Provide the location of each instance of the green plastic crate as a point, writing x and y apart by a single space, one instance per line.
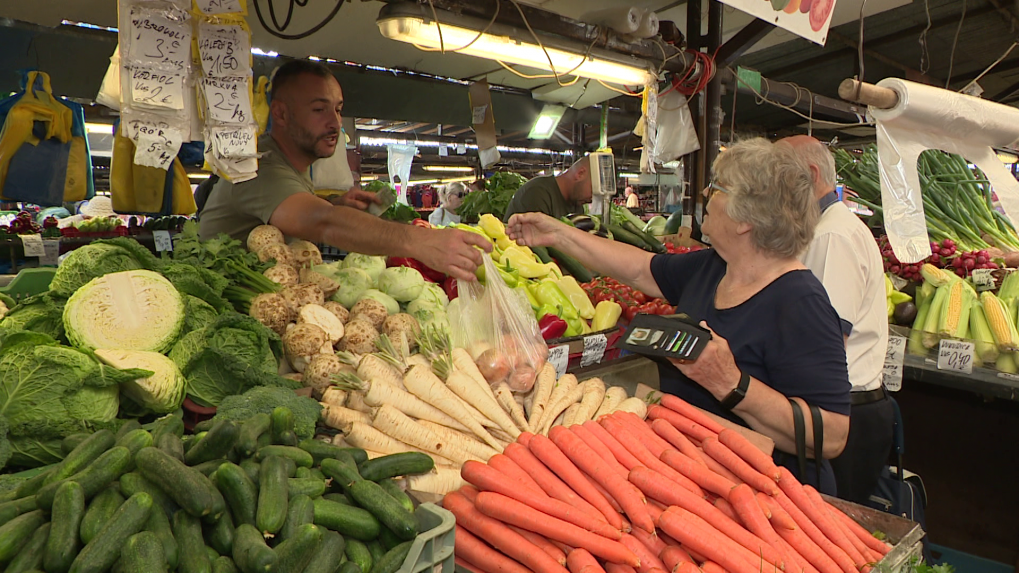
29 282
432 551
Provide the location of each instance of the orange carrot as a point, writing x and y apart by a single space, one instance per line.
693 430
511 469
749 453
501 537
619 452
469 566
673 556
542 543
763 504
780 518
858 543
648 559
625 493
681 406
873 543
649 438
654 509
650 540
712 567
697 472
656 486
686 567
608 497
619 568
723 455
469 491
698 535
580 560
488 478
549 482
600 448
634 445
524 438
808 550
718 468
817 511
473 550
556 460
807 523
513 512
656 570
744 502
678 439
726 508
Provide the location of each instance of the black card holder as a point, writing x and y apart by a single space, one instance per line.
676 336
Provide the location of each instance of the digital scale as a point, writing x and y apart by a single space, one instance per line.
603 184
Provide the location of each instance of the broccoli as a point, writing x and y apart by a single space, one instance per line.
262 399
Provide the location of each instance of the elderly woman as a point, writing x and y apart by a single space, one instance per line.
450 199
775 335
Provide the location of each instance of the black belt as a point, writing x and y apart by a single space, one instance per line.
867 397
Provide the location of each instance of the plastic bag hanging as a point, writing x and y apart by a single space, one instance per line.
401 156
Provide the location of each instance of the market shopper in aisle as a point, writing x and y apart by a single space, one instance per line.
845 258
305 111
554 195
776 336
450 198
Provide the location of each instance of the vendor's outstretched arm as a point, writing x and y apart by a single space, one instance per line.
625 263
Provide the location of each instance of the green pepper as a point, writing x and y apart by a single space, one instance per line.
546 309
509 275
548 292
574 325
530 296
528 266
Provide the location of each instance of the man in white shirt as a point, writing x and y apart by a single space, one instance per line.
845 258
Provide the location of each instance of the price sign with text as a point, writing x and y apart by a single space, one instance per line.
156 143
227 99
219 6
162 240
51 257
225 51
891 376
154 88
956 356
478 114
559 356
594 349
234 143
33 245
160 38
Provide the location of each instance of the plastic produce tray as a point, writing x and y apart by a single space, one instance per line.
432 551
29 282
904 535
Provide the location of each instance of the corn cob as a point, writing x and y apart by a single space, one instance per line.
980 331
924 298
999 320
1006 363
936 276
933 319
954 320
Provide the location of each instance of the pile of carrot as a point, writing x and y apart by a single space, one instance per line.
675 493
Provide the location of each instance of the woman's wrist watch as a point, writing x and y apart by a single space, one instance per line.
738 393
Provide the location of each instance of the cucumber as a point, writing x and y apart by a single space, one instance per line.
348 567
135 440
251 467
393 559
626 236
329 553
302 473
271 511
159 524
68 511
321 450
212 554
82 455
390 486
348 520
142 553
251 430
100 553
191 440
310 487
187 530
343 474
300 511
316 473
337 497
171 444
570 265
30 557
385 508
204 425
34 484
169 424
283 427
12 509
251 554
68 444
294 554
16 532
104 470
297 455
389 539
220 535
358 554
395 465
133 482
224 564
99 511
216 444
207 468
376 549
240 492
264 440
128 426
289 466
542 254
191 490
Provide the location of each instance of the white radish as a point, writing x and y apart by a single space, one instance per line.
339 417
462 361
574 396
634 405
333 396
463 441
541 392
467 389
560 389
569 417
505 397
421 382
393 422
439 481
613 396
589 402
378 394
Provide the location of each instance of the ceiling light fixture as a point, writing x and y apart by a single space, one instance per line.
547 121
105 128
449 168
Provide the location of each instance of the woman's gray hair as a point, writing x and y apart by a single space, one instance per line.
771 189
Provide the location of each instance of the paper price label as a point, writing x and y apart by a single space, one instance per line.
219 6
162 240
559 356
478 114
461 148
227 99
443 150
157 89
33 245
225 51
51 257
891 376
155 145
234 143
594 349
956 356
982 279
160 38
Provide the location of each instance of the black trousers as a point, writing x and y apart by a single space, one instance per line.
867 449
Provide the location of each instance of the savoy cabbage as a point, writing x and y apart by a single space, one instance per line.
97 259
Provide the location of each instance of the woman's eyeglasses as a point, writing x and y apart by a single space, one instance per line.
713 188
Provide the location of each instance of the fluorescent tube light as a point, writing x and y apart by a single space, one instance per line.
106 128
449 168
547 121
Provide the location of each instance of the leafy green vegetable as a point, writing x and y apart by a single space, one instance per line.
40 313
37 443
227 258
198 282
402 283
400 213
263 399
97 259
197 313
494 199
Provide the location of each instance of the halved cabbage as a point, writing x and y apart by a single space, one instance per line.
129 310
162 392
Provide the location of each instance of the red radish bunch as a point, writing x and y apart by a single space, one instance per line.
964 264
893 265
941 253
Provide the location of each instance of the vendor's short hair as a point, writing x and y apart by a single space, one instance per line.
291 70
770 188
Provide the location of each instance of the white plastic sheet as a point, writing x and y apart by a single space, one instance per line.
401 156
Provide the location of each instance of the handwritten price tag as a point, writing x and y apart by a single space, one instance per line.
51 258
33 245
234 143
982 279
154 88
225 51
161 38
891 376
219 6
594 349
478 114
461 148
156 144
956 356
443 150
227 99
559 356
162 240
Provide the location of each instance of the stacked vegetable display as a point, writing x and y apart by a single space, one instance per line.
680 493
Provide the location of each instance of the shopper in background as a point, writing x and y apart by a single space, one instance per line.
775 336
845 258
554 195
450 198
632 200
305 112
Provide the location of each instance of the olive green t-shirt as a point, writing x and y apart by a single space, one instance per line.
237 208
541 195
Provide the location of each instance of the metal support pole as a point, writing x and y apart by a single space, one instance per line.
603 133
690 160
712 96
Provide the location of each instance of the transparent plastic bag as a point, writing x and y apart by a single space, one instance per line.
496 325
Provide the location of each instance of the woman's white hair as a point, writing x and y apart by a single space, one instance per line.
771 189
454 188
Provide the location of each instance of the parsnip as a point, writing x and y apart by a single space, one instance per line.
376 394
439 481
570 415
355 401
418 360
593 396
560 390
540 394
372 367
613 396
632 404
466 442
338 416
508 403
421 382
573 396
463 386
394 423
334 396
462 361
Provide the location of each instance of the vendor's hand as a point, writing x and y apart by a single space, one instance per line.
357 199
452 251
715 369
534 229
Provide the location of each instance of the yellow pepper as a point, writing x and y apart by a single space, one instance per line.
492 226
577 296
587 327
606 315
502 243
528 266
523 287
